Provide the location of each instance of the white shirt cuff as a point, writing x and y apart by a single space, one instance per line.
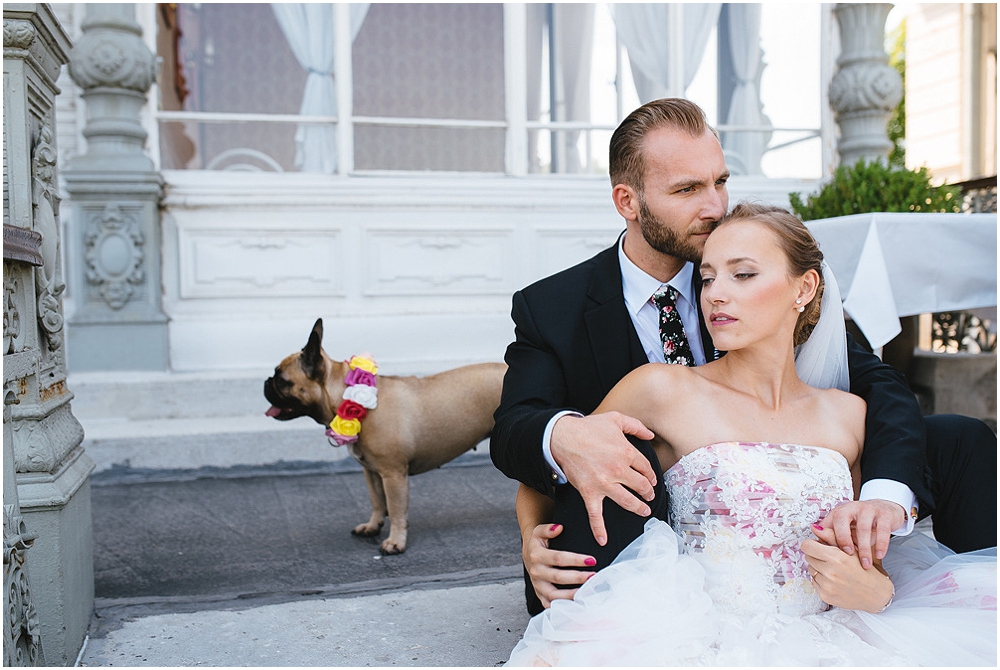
558 476
893 491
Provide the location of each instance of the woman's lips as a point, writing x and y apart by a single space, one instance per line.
721 319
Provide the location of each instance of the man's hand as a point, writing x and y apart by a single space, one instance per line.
544 565
862 525
601 463
840 580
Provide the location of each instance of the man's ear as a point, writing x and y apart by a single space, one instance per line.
626 202
311 359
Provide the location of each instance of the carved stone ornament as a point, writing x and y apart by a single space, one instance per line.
11 310
45 198
114 58
114 256
18 34
35 450
866 86
21 640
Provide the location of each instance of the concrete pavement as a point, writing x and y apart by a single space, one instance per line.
255 566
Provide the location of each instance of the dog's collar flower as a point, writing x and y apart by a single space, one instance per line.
360 396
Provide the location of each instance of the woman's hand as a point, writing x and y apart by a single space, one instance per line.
545 566
841 581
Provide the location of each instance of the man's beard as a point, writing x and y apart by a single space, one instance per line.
662 238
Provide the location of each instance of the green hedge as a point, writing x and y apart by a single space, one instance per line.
876 187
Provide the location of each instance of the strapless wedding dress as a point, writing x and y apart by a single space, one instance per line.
728 585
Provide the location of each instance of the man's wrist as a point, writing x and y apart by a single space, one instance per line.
894 492
558 476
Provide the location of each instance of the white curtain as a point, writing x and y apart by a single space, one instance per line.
744 149
309 29
645 30
574 40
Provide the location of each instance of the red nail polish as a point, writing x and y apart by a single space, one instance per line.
554 527
817 526
589 561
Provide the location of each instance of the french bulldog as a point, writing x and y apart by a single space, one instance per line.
418 423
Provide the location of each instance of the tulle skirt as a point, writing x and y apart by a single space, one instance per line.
651 607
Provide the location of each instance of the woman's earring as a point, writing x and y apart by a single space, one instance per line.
801 309
798 301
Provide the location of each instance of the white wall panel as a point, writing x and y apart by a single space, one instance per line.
440 262
417 269
259 264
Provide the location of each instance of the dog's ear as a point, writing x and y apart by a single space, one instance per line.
312 354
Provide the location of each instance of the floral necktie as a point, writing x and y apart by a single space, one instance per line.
675 343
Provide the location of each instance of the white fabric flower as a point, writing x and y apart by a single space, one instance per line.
366 396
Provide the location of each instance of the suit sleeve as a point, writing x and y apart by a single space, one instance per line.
534 390
895 436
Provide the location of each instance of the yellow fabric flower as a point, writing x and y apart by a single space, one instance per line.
366 364
348 427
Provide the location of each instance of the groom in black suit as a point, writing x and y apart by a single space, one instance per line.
577 333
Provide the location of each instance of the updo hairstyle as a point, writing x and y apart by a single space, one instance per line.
800 249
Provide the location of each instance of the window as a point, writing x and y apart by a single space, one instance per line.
476 87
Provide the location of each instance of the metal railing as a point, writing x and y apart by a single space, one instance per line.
953 332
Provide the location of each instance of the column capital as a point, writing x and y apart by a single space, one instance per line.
865 89
111 53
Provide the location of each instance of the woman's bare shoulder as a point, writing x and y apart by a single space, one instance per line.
844 401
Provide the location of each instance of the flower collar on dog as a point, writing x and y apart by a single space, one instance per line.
360 396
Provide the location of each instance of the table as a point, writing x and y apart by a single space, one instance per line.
890 265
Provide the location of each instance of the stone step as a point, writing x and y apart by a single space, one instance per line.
176 421
168 395
220 442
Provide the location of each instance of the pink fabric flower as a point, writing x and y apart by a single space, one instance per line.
359 376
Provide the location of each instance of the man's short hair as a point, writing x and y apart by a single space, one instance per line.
626 162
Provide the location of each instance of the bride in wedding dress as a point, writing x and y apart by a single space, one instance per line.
757 448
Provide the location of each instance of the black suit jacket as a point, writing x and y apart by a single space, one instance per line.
574 340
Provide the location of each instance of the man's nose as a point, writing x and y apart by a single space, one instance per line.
714 207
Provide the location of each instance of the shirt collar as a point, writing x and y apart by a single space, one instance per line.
638 286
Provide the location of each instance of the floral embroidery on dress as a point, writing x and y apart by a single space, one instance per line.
743 510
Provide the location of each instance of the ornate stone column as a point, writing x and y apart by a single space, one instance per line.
118 323
865 89
46 472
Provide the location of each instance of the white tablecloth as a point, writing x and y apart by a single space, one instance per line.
890 265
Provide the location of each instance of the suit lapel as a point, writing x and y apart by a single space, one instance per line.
613 340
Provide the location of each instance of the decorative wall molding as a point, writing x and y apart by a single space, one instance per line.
251 258
438 262
114 254
260 264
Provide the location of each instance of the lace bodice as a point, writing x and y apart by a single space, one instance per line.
744 508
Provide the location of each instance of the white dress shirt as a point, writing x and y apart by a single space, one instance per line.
638 288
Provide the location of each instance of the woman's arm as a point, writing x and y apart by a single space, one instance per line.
549 569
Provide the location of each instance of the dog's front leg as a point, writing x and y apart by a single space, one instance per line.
377 494
397 494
